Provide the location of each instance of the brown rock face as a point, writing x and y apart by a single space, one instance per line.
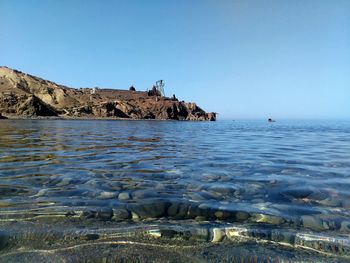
23 95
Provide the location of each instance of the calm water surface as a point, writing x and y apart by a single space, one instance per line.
215 191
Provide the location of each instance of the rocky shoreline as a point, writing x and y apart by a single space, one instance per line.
23 96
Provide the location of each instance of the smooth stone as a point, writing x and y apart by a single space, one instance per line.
223 190
124 196
107 195
312 223
196 197
140 194
121 214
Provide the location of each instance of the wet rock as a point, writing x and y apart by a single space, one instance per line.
141 194
222 190
107 195
121 214
150 209
178 210
312 222
297 193
124 196
317 195
88 214
105 214
196 197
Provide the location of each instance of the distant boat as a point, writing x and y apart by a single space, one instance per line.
271 120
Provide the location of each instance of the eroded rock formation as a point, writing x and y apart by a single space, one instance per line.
24 95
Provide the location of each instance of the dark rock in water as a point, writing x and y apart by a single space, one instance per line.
2 117
105 214
178 210
150 209
88 214
297 193
121 214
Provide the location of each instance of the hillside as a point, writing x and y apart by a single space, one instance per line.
26 96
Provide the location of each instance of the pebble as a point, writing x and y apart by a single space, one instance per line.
124 196
107 195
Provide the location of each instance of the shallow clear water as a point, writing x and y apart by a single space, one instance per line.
224 183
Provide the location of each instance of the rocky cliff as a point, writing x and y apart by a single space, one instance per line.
26 96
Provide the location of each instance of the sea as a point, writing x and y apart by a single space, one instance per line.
170 191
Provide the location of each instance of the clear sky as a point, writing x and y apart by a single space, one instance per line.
240 58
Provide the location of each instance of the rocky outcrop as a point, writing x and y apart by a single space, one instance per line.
24 95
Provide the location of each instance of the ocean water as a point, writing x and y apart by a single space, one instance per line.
167 191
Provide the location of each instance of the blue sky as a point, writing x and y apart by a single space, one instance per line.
240 58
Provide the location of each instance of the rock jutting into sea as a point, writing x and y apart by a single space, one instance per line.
26 96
